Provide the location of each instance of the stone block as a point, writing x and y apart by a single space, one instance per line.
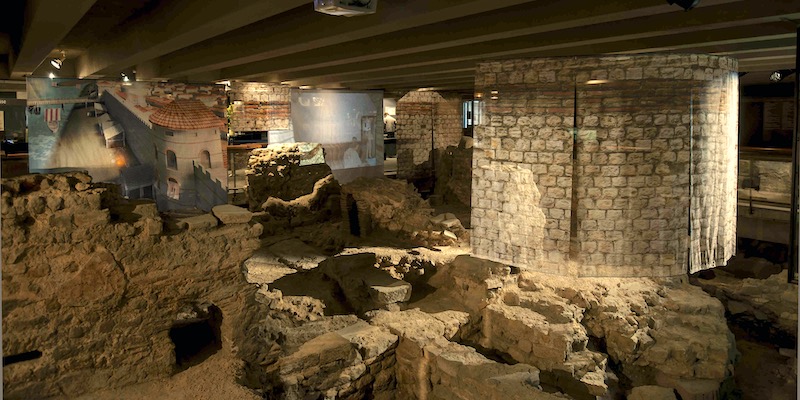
365 286
652 393
205 221
230 214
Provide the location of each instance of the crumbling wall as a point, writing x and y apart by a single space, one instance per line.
371 205
92 286
665 333
430 366
292 183
454 173
629 153
426 121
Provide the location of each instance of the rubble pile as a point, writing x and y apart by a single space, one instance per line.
765 308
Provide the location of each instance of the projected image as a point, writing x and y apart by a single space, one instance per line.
346 124
63 129
156 140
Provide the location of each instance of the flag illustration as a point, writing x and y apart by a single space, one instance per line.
52 116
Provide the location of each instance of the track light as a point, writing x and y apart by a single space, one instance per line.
780 74
58 61
686 4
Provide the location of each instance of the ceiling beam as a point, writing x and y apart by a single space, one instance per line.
736 49
712 17
302 29
728 14
171 26
556 44
724 36
461 67
46 23
526 19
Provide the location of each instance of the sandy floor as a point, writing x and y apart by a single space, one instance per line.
763 373
213 379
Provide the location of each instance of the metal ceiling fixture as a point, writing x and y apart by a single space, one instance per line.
59 61
346 8
779 75
686 4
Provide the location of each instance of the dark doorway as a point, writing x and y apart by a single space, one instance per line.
197 337
352 216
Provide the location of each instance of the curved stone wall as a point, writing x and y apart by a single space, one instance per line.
634 156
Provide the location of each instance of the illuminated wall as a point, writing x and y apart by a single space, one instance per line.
634 158
349 125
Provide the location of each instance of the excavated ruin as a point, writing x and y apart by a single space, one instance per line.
103 296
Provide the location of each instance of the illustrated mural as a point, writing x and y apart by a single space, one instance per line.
156 140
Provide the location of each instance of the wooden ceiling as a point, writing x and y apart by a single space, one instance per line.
407 44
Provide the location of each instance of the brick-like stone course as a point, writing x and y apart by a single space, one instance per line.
265 106
420 115
654 135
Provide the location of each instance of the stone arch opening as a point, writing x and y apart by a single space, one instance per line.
196 335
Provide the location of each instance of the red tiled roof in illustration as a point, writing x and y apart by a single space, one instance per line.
186 115
157 101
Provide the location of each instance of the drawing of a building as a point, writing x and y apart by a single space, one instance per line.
188 156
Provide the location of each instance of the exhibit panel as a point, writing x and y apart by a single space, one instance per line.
107 128
347 124
634 157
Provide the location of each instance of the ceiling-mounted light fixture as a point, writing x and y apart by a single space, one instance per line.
781 74
59 61
685 4
346 8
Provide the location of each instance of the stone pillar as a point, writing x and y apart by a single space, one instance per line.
425 121
631 155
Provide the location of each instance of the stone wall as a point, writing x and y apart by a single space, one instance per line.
420 115
92 285
620 158
264 106
774 177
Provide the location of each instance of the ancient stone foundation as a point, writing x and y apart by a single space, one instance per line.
96 294
634 158
292 184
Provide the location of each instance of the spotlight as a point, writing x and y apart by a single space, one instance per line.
58 61
685 4
780 74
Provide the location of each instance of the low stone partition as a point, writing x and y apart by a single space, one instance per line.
96 295
665 333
